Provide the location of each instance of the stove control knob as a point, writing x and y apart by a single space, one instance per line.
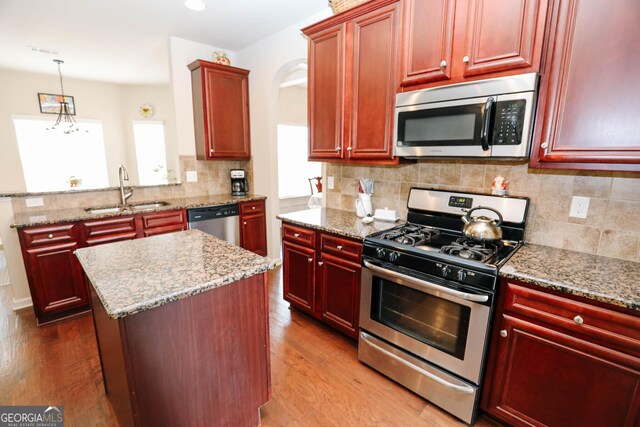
393 256
381 253
462 275
446 271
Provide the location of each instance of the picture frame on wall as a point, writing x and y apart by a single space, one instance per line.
50 103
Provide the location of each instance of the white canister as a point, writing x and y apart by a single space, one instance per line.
363 205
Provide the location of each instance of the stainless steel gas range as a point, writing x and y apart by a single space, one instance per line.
428 296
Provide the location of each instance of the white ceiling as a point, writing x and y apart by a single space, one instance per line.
126 41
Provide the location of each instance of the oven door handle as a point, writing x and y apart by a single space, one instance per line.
460 388
427 285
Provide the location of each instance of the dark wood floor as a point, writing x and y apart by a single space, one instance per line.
317 379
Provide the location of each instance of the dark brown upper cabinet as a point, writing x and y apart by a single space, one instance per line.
451 41
352 77
588 109
220 110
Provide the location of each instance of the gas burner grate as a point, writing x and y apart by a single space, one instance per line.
471 249
411 234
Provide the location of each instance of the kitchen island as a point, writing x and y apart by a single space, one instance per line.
181 322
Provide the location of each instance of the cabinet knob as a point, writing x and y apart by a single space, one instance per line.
245 223
578 319
544 145
503 333
443 64
211 151
253 207
50 236
320 263
466 59
339 247
310 259
349 148
296 234
338 148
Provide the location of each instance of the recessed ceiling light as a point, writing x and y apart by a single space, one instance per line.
195 4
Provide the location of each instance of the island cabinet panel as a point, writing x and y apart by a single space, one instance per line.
321 276
54 275
588 104
453 41
352 80
253 227
107 230
559 362
163 222
201 360
221 111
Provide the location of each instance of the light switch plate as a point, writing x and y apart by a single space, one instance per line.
192 176
34 202
579 207
330 183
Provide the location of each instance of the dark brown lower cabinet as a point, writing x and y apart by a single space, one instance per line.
321 276
200 360
253 227
559 362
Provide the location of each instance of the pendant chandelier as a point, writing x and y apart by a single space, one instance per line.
65 118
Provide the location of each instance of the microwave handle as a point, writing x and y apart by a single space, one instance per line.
484 133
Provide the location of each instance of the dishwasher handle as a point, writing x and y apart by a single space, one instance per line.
212 212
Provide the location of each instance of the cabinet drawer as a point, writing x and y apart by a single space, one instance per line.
163 219
252 207
622 330
347 249
49 235
109 230
299 235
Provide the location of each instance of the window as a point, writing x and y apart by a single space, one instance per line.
294 170
54 161
151 153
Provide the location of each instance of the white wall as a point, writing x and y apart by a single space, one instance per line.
182 53
269 60
13 254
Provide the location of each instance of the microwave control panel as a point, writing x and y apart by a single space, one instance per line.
509 121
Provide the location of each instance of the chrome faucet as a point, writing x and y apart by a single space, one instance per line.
123 175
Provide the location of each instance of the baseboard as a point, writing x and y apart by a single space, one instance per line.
22 303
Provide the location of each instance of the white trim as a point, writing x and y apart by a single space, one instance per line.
22 303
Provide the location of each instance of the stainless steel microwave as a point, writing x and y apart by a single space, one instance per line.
485 118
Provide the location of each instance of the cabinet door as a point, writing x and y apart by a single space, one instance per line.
253 233
299 269
427 39
544 377
339 283
373 62
226 101
502 35
326 93
56 279
588 105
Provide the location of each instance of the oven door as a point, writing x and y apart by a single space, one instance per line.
442 325
459 128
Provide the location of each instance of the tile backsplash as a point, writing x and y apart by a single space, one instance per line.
612 226
213 178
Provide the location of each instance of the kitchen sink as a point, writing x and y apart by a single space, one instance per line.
128 208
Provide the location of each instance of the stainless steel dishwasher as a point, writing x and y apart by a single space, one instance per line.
219 221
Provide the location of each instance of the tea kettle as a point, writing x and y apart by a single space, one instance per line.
481 228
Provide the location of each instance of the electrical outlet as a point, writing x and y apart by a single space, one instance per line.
192 176
579 207
34 202
330 183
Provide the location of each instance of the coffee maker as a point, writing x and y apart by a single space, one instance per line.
239 184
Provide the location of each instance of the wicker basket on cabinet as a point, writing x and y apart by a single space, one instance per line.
341 5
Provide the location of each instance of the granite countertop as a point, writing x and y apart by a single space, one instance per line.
344 223
137 275
603 279
57 216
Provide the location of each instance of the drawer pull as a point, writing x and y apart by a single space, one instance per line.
253 207
50 236
320 263
245 223
578 319
504 333
310 259
296 234
339 247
